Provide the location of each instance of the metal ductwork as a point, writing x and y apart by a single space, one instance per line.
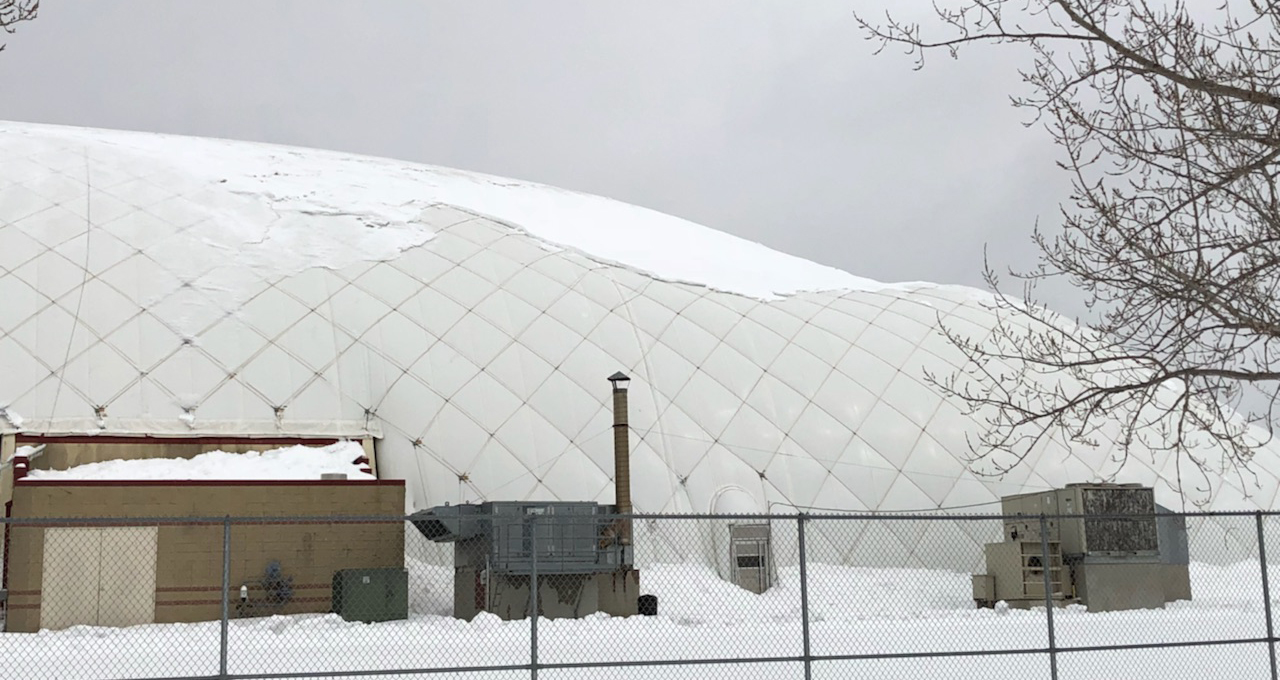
450 523
577 556
621 454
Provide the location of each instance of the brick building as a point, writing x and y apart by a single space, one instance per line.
144 569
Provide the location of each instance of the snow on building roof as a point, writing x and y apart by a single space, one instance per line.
288 463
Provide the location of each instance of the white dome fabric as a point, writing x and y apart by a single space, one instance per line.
168 285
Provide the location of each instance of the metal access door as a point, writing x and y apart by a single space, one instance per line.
751 556
69 578
127 576
98 577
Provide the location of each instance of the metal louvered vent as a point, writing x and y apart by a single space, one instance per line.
1125 522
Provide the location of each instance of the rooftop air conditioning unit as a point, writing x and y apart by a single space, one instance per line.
1109 547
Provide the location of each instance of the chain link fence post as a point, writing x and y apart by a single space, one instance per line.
533 597
226 586
804 596
1045 566
1266 594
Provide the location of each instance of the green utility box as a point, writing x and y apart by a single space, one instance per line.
371 595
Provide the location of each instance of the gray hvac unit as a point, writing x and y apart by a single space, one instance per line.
582 565
1115 520
1108 548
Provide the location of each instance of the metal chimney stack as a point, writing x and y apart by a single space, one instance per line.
621 454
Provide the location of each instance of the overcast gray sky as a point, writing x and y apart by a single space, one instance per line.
770 120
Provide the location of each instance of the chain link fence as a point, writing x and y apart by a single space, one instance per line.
663 597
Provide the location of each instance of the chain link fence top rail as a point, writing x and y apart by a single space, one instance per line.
725 596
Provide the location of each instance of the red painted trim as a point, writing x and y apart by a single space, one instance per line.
122 521
157 439
4 573
298 600
238 521
218 589
161 603
213 482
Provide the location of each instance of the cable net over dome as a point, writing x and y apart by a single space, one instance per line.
168 285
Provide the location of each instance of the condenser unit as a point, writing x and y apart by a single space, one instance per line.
1109 547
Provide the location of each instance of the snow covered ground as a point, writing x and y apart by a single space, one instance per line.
854 611
292 462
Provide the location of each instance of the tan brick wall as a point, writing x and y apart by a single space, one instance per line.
189 556
26 548
7 447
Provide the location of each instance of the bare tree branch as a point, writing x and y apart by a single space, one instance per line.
1169 127
14 11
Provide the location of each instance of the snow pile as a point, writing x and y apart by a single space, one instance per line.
839 593
282 209
694 595
12 416
430 588
293 462
1230 586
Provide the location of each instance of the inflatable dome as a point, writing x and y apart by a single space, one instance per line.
172 286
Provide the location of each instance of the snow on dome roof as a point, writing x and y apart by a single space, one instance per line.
329 207
166 285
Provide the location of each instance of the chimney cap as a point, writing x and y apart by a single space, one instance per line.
619 380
